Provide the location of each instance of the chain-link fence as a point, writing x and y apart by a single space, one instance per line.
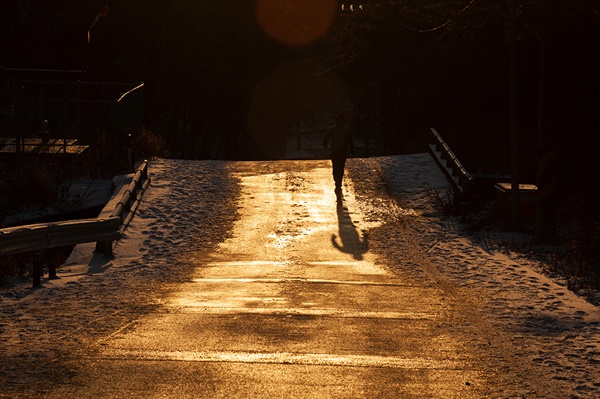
95 114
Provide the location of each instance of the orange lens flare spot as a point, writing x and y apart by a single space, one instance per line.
295 22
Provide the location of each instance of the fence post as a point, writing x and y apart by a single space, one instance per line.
105 247
51 270
36 274
108 250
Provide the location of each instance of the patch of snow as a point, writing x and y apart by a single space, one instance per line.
540 327
83 194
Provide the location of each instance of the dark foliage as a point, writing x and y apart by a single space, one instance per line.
211 70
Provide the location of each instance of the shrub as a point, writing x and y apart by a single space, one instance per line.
579 230
147 144
444 204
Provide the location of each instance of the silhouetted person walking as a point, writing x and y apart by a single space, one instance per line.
341 144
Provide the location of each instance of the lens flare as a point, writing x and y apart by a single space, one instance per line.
295 22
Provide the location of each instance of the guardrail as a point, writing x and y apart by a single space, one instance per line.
103 230
457 175
132 196
128 204
35 237
38 237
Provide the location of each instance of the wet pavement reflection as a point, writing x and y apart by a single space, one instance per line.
292 304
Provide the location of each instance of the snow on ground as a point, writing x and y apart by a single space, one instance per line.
94 296
533 321
535 325
82 194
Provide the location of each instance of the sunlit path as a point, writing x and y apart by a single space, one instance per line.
292 304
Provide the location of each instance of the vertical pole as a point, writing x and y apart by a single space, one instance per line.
36 274
105 248
116 135
51 270
109 249
145 170
514 136
547 147
17 123
78 108
362 121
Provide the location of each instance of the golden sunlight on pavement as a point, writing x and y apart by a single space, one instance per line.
292 304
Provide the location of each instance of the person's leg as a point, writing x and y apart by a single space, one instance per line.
338 171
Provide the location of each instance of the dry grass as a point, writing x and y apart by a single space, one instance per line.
574 254
579 239
444 203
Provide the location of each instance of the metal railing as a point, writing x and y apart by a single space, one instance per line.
104 230
457 175
128 204
35 237
38 237
132 196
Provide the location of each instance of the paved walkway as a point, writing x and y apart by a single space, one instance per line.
293 304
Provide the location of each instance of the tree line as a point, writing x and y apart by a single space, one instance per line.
218 85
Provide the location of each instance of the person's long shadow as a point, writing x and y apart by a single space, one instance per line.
351 242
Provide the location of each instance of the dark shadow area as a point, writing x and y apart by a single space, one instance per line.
99 263
351 242
550 325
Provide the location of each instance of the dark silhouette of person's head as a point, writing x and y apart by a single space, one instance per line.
340 120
